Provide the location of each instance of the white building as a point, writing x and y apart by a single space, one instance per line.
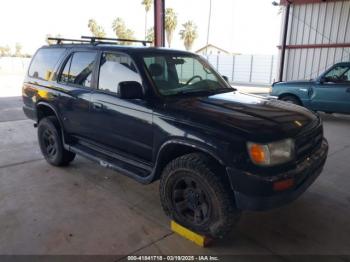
211 50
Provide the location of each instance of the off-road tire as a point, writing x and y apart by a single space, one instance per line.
50 141
198 167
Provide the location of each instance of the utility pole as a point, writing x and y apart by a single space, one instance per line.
209 18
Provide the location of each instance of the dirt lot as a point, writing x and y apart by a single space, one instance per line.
86 209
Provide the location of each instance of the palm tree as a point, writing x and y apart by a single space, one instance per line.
121 31
118 27
95 29
189 34
147 4
170 24
150 35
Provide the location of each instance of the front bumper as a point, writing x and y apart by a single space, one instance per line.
255 192
29 112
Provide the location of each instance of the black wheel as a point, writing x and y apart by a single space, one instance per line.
291 99
196 197
50 142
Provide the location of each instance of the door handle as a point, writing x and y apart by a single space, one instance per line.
98 106
348 90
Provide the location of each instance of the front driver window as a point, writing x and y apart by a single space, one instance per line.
116 68
339 74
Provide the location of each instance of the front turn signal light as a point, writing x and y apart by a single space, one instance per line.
258 153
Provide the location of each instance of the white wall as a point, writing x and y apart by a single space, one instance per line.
246 69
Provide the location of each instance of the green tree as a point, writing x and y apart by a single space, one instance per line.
18 51
150 35
189 34
96 29
148 5
122 31
170 24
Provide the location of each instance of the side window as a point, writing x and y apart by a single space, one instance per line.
44 62
339 74
78 69
116 68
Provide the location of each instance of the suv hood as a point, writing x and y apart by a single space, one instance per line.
259 118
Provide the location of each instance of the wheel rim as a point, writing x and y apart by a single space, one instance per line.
191 201
49 143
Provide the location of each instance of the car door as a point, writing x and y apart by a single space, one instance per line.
123 125
75 81
332 92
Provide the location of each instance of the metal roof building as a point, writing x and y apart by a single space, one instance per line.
315 36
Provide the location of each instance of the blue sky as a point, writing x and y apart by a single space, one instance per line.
244 26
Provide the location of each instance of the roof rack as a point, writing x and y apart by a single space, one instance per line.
114 40
60 40
97 40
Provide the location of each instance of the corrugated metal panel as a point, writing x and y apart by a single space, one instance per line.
317 23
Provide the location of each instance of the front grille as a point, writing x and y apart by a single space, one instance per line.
306 143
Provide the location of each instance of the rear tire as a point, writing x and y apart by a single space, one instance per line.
291 99
50 141
196 197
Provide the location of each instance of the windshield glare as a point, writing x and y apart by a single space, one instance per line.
174 75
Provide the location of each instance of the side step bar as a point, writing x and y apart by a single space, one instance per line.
140 174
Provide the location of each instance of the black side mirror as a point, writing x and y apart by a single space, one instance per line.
226 78
130 90
322 80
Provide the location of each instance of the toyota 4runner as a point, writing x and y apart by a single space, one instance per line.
154 113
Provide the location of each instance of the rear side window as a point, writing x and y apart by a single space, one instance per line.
44 62
78 69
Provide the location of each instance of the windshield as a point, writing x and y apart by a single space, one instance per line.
178 75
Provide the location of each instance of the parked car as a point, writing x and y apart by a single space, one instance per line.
154 113
330 92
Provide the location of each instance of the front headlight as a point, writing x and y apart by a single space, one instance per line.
271 154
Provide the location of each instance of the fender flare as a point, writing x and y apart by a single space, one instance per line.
175 141
194 144
42 103
63 133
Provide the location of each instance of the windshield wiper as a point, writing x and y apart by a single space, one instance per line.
206 92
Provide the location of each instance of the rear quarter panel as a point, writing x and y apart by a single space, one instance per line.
35 92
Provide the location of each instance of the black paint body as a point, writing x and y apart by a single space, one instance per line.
139 137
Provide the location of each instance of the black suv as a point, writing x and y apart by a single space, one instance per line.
154 113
